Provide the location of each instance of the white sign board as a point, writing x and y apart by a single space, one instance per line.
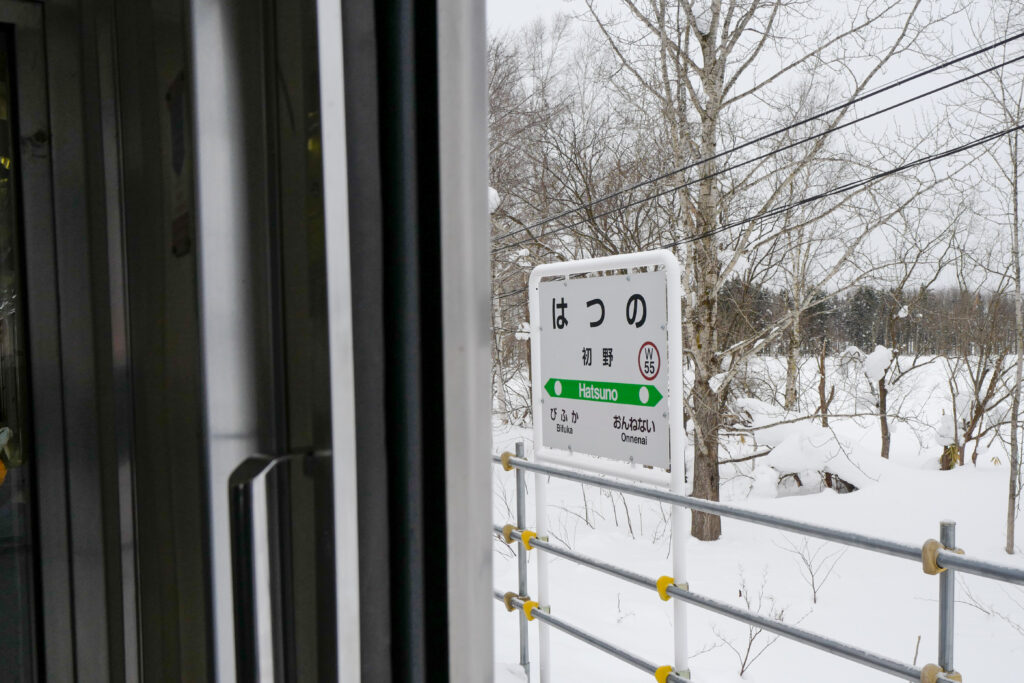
602 354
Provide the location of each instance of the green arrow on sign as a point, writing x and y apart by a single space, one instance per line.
606 392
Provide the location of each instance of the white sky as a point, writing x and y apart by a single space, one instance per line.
511 14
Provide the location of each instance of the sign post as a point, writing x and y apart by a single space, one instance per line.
606 363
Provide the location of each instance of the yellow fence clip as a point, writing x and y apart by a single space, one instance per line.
930 556
663 583
930 674
506 533
525 537
505 461
508 601
662 672
528 608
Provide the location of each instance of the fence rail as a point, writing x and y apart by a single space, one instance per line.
864 657
936 557
662 673
946 558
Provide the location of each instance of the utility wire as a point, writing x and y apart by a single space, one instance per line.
755 159
871 93
849 186
937 156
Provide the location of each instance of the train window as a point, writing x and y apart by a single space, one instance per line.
16 546
297 221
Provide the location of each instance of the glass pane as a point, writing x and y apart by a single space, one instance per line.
296 112
16 564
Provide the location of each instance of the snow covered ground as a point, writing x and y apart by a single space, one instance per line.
872 601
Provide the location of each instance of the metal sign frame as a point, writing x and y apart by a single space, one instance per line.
665 259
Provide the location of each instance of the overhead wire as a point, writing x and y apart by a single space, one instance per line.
757 158
831 110
852 185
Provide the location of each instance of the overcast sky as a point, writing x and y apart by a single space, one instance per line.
506 14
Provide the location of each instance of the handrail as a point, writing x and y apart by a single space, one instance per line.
937 557
537 613
870 659
945 558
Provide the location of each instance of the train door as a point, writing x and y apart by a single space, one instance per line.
19 553
243 346
39 422
341 206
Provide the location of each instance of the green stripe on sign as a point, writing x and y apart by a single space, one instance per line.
606 392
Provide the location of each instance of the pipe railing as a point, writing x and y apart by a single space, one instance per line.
875 661
937 557
535 612
946 558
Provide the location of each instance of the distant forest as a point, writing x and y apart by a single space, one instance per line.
942 321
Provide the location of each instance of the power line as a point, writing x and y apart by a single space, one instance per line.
826 112
849 186
759 157
937 156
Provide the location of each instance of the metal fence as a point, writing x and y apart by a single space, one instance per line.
936 557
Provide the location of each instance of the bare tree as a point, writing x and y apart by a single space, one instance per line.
1018 305
998 99
700 65
978 367
757 641
920 250
816 565
525 94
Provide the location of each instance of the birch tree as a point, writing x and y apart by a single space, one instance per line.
716 70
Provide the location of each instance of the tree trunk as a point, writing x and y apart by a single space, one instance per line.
529 378
704 526
949 457
883 417
792 364
498 361
958 453
707 407
823 400
1011 502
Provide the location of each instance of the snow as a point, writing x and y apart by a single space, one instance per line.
807 449
871 601
493 199
946 430
702 15
852 352
903 312
877 362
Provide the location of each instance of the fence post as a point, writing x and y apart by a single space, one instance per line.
540 492
680 531
947 596
524 632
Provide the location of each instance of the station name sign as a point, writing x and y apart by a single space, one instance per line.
600 358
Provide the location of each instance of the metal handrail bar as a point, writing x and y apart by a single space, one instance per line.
870 659
895 548
612 570
945 559
591 640
991 570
